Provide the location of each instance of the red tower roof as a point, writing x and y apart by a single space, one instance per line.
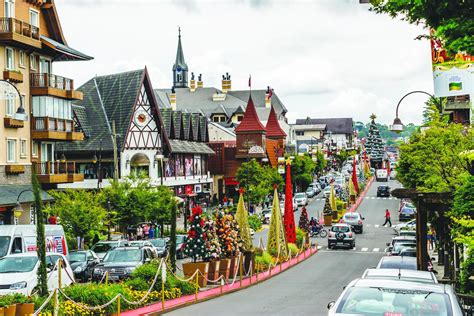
273 127
250 121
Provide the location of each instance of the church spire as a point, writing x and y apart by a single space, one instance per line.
180 68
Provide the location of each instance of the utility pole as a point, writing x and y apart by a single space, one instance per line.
114 144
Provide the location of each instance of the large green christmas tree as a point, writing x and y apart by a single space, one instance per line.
196 246
374 144
276 243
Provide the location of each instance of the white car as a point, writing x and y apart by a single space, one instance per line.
410 225
19 273
301 199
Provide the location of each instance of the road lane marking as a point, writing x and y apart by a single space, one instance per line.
319 247
373 198
375 250
354 249
364 249
376 225
368 225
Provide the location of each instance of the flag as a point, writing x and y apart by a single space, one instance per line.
354 177
332 198
351 188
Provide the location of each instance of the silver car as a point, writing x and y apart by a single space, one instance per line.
341 235
400 274
301 199
355 220
393 297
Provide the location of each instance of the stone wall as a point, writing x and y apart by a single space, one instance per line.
22 178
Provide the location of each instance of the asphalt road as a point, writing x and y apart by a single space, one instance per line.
307 288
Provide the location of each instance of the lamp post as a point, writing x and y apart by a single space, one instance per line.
18 210
159 157
397 125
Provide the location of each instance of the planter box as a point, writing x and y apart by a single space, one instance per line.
14 169
13 76
213 273
233 266
9 122
10 310
328 220
25 309
190 267
224 267
249 262
334 215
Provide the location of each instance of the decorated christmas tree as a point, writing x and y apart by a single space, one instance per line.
196 246
276 243
243 221
213 244
327 207
304 221
228 237
374 144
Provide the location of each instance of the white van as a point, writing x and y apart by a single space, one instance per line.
381 175
22 239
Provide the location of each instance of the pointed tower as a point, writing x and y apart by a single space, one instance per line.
250 134
274 130
180 68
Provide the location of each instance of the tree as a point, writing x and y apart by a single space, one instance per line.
302 170
341 158
304 221
196 245
453 21
80 211
374 143
228 237
40 237
242 219
431 160
320 164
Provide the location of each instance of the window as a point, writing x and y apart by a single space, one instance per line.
11 150
215 119
10 106
21 58
52 107
33 61
34 17
23 148
222 118
240 118
34 149
9 8
10 56
299 133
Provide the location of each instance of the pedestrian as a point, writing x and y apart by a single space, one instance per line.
52 220
432 233
387 218
139 232
151 232
146 231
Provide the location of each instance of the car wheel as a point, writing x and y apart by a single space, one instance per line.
329 246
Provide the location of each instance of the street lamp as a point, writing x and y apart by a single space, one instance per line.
18 210
9 91
397 125
159 160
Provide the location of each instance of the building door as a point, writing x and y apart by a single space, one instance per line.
45 70
47 158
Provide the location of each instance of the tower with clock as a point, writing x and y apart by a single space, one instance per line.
180 68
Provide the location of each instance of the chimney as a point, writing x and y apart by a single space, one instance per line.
268 97
200 83
192 84
226 83
173 99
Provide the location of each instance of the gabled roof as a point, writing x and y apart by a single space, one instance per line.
62 52
273 127
334 125
250 122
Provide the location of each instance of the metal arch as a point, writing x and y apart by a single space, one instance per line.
17 91
412 92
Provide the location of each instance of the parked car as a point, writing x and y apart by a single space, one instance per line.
381 175
397 262
301 199
19 272
394 297
410 225
399 247
355 220
317 187
383 191
341 234
400 274
144 243
406 214
327 191
180 244
408 252
400 240
310 192
406 232
121 261
102 247
282 206
161 246
83 263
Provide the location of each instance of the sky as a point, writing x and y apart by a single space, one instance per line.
323 58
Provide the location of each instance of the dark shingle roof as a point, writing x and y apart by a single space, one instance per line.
334 125
9 194
184 146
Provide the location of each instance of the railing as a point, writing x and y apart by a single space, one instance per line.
12 25
46 80
54 167
45 123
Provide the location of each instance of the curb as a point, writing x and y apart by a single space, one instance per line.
361 197
156 308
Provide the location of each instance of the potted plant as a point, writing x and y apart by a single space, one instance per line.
196 247
228 239
214 247
327 212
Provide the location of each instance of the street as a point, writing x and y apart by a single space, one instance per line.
298 292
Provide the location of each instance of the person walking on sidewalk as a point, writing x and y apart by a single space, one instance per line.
387 218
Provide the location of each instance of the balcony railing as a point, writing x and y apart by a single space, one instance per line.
54 167
12 25
44 123
46 80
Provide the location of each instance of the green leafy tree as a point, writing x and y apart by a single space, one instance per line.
302 170
452 20
320 164
80 211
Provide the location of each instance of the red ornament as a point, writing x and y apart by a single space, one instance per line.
241 191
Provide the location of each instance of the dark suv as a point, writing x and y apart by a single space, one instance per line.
121 261
383 191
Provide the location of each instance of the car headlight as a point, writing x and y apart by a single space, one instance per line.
17 286
129 269
78 269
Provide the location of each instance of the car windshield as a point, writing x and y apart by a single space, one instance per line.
299 195
136 243
343 229
309 189
158 242
354 216
408 211
179 239
377 301
398 264
4 244
123 255
17 264
102 247
77 257
399 246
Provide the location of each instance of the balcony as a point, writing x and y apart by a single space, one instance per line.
52 85
19 32
57 172
51 128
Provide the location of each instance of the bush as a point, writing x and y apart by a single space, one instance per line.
263 261
339 205
16 298
293 249
254 222
301 235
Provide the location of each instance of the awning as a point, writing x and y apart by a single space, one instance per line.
9 194
64 53
187 147
231 181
